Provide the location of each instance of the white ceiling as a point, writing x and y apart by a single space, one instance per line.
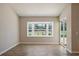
38 9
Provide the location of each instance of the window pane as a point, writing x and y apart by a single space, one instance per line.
61 29
49 32
30 32
49 26
40 32
40 26
30 26
61 26
40 29
65 29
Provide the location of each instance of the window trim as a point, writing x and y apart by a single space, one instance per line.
40 35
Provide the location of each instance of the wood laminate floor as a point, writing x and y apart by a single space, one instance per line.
38 50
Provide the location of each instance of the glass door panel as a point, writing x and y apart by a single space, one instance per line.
63 32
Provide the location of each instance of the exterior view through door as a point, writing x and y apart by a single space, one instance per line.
63 32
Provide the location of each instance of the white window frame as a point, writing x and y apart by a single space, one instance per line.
40 35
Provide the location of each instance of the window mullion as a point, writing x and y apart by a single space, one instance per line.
46 29
33 29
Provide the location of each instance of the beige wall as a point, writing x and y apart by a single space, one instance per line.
9 32
75 28
38 40
66 13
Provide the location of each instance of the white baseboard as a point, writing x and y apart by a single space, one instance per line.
8 48
37 43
